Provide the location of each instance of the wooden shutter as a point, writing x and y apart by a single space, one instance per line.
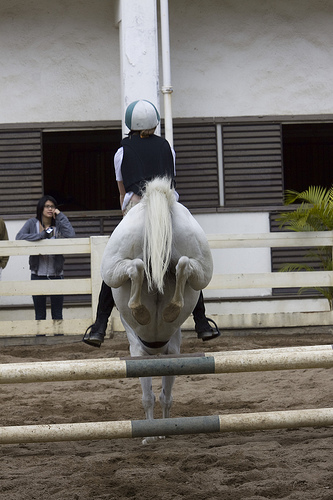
20 171
252 164
196 164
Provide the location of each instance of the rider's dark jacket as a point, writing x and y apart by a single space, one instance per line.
144 159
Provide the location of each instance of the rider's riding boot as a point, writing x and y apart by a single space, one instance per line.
204 330
94 335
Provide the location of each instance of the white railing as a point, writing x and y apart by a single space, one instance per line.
272 240
95 246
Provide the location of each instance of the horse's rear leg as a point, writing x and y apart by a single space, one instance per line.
148 397
148 402
166 395
183 270
168 381
136 274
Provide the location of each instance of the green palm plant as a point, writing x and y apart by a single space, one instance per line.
315 213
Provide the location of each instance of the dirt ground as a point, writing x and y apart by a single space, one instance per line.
279 464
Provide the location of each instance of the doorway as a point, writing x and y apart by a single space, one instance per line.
307 155
78 169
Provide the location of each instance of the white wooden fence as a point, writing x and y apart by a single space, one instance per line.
95 246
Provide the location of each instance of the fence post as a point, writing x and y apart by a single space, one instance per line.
97 246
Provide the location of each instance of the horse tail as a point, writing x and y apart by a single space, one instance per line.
157 244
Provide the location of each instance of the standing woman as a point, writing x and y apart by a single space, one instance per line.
48 223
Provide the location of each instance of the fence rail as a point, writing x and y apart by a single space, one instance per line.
94 246
95 369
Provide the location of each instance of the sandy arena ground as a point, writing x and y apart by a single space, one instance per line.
279 464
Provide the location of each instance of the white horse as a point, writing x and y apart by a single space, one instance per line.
156 262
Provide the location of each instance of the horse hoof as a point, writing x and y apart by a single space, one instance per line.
152 439
171 312
141 314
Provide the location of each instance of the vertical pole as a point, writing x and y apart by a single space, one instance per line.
138 42
166 87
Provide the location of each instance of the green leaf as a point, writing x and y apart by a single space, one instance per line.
315 213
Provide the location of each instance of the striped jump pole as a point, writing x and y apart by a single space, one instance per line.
47 371
300 348
166 427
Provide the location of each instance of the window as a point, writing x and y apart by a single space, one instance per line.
307 155
78 169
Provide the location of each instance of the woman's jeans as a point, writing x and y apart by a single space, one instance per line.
40 300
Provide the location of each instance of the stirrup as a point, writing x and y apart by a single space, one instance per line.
94 339
210 334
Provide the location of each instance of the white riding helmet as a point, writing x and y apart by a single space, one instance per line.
141 115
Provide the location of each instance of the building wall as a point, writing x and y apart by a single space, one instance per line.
253 58
60 60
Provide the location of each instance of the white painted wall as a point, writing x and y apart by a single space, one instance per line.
60 61
251 58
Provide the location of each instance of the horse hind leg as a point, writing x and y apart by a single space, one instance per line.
166 395
148 403
172 311
139 311
166 398
165 402
169 380
148 397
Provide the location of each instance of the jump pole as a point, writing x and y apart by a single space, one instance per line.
47 371
166 427
300 348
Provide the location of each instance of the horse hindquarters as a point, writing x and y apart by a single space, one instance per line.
122 271
185 269
192 259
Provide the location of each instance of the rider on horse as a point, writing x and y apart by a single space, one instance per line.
141 157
